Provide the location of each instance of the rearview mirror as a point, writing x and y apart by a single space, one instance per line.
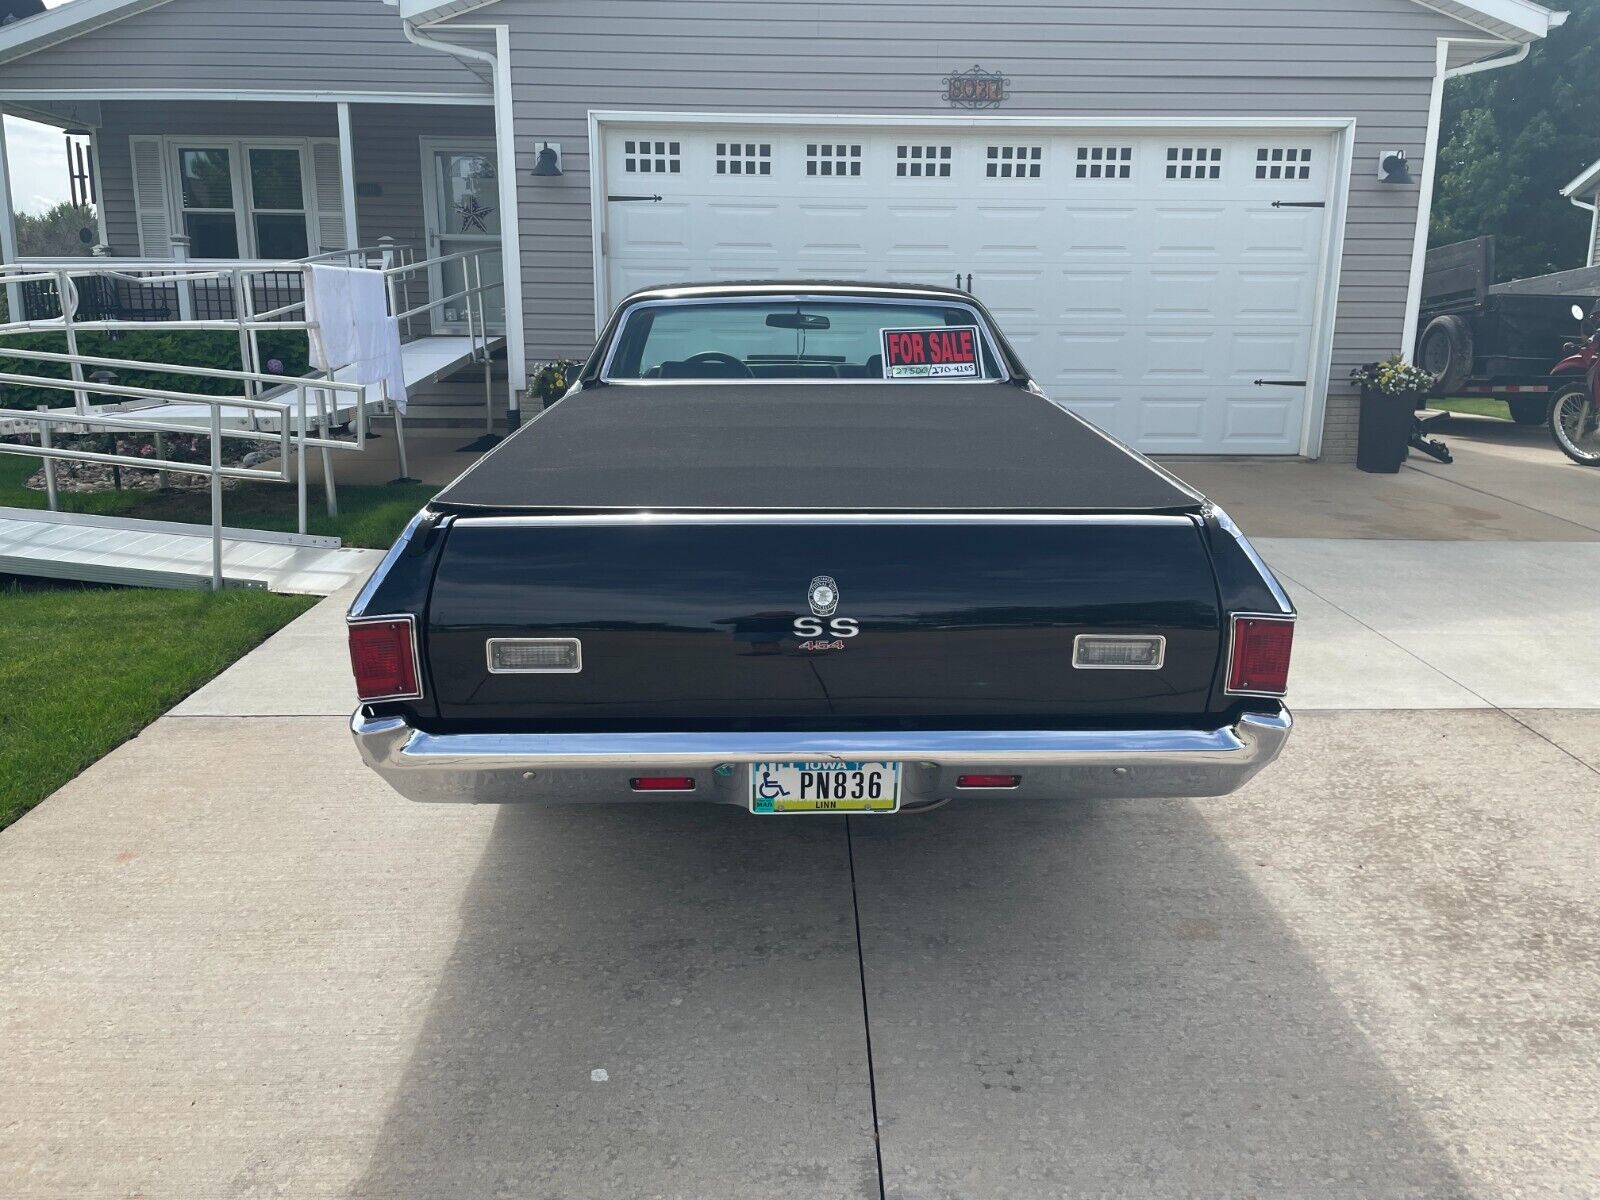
798 320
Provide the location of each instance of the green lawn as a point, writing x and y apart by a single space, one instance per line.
369 515
1481 406
82 669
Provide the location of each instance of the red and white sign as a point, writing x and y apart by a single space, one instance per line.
943 352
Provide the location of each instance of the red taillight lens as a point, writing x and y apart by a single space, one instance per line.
1259 661
383 657
988 781
662 783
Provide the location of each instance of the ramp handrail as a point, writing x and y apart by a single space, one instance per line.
294 422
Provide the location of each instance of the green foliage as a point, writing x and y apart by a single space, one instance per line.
1511 138
370 515
198 348
84 669
54 233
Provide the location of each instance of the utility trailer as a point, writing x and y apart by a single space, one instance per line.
1482 338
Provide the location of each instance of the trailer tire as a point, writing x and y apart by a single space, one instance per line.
1529 410
1445 351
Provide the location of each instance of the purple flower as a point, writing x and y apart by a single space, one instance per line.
275 366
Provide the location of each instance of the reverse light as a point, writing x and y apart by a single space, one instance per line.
662 783
383 655
1258 656
534 656
1106 652
988 781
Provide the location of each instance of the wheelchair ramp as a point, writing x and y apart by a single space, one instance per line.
170 554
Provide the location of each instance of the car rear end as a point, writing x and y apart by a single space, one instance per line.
824 662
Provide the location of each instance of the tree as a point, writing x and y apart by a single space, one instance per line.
1511 139
54 233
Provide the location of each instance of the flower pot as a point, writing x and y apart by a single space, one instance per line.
1385 431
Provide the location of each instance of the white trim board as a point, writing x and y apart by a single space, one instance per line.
1341 129
1532 19
243 95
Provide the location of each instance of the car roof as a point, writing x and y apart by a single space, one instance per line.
732 289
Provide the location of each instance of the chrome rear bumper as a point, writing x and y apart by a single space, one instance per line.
587 767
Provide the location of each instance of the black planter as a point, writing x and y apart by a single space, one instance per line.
1385 431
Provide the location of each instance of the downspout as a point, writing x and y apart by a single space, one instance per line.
1594 225
499 65
1419 245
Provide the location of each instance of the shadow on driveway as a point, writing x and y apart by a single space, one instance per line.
1073 999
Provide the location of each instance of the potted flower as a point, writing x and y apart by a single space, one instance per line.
1391 392
551 381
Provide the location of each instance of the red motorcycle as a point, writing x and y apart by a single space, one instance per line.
1575 409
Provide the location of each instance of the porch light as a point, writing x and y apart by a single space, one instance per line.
549 164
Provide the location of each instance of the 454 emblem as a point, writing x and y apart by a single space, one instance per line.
822 630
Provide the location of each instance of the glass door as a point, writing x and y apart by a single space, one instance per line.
463 214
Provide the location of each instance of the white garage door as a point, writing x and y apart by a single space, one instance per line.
1147 279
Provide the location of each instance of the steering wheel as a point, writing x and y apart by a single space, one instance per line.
717 356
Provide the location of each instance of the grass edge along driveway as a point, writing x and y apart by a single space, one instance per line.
82 670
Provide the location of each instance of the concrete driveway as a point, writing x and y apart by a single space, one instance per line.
234 965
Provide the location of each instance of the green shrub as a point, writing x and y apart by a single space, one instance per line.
189 347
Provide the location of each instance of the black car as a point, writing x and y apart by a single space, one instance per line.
813 547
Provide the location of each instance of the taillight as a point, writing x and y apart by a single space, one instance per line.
1258 659
383 655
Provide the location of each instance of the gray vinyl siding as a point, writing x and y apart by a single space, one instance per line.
386 140
251 45
1372 60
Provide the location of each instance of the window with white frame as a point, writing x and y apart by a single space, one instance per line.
243 200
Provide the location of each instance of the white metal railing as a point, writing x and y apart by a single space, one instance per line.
294 424
244 285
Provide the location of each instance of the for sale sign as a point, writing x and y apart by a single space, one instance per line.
946 352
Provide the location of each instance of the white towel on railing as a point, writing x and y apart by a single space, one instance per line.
353 337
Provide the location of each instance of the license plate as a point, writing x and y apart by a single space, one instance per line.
824 787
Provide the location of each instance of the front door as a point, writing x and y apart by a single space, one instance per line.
461 195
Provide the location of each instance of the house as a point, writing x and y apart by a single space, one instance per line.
1192 219
1584 193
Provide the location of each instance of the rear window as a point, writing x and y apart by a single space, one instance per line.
790 339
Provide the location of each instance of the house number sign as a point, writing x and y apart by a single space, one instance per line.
976 88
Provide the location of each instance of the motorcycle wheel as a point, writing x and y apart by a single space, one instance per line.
1575 424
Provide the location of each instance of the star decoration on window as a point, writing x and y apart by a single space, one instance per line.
473 215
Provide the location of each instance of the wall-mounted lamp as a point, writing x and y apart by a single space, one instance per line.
1393 168
548 165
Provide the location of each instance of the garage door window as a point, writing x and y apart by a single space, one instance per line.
652 158
744 158
1013 162
1105 162
922 162
1283 162
1194 162
830 158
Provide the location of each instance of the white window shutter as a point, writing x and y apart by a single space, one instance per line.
152 211
328 189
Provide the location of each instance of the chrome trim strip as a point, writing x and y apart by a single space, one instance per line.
800 297
1226 524
498 767
794 517
416 654
1084 638
577 651
364 596
1233 625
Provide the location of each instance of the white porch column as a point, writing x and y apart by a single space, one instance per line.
505 139
8 227
347 178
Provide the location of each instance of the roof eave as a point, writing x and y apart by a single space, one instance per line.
63 23
1585 183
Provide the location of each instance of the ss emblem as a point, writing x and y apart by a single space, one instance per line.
815 627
